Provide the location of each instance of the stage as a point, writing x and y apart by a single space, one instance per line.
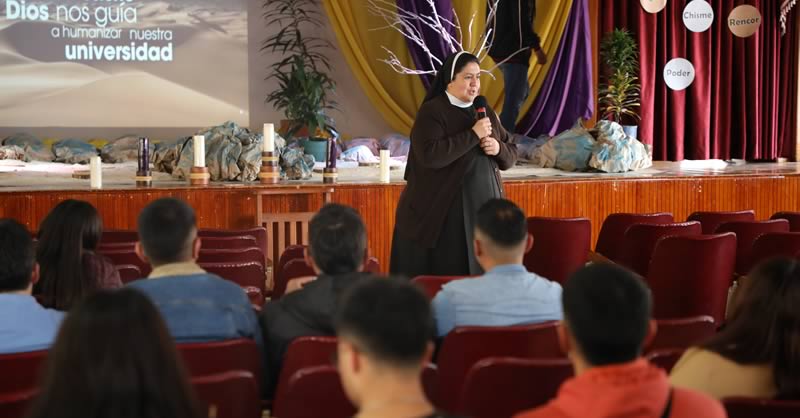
29 191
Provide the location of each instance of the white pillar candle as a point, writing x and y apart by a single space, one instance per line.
384 166
199 150
95 172
269 138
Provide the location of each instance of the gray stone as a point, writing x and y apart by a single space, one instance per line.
73 151
34 147
123 149
13 152
295 165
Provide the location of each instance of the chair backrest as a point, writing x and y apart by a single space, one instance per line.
15 404
501 387
463 347
746 234
760 408
712 220
128 273
21 371
293 269
774 244
640 241
682 332
259 233
290 253
313 392
690 275
665 358
249 275
560 246
304 352
215 357
242 255
792 217
431 285
231 394
126 257
233 242
111 236
612 233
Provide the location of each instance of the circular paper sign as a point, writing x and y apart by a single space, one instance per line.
678 74
654 6
744 21
698 16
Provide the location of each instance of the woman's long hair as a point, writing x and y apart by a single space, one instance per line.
114 358
764 327
443 78
71 229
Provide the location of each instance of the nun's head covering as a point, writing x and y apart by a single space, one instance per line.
451 66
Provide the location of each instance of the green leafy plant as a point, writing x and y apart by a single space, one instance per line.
620 90
305 90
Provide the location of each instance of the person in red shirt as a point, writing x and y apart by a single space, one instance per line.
606 323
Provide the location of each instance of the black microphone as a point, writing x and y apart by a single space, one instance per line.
480 106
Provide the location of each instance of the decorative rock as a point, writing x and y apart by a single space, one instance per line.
123 149
73 151
296 165
13 152
34 147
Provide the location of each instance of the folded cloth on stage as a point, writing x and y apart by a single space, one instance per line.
13 152
616 152
569 151
371 143
527 146
360 154
398 145
34 147
73 151
123 149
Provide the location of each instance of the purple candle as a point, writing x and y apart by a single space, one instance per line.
332 155
144 154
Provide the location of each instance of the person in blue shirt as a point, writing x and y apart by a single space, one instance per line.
24 324
507 294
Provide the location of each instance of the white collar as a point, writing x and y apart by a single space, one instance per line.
455 101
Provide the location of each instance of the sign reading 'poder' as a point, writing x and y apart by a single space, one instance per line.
744 21
698 16
678 74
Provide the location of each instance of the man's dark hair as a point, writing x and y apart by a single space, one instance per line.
607 309
17 256
166 230
338 239
389 319
503 222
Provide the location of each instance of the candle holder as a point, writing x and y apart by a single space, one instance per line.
144 177
329 175
199 176
270 171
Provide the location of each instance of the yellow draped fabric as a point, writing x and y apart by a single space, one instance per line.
397 96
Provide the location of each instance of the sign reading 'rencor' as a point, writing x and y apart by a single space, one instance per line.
744 21
698 16
679 74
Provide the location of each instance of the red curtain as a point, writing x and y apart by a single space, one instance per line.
743 101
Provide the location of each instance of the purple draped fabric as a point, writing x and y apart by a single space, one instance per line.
433 39
568 92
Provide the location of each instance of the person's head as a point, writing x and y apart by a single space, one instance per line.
501 234
764 325
459 76
18 268
71 229
167 232
607 315
113 357
384 329
338 240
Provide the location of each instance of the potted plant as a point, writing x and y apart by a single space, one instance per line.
620 89
304 87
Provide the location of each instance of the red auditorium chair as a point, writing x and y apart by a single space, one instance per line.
290 253
774 244
500 387
665 358
215 357
690 275
249 275
792 217
640 241
111 246
313 392
242 255
229 243
126 256
682 332
304 352
297 267
111 236
128 273
15 404
761 408
463 347
232 394
612 233
560 246
24 368
746 234
712 220
259 233
431 285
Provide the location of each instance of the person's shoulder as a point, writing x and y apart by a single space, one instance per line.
689 403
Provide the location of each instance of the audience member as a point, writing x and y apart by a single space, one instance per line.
113 358
70 268
24 324
197 306
757 354
507 294
337 250
384 330
607 319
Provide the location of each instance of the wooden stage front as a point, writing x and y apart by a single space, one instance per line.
677 188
